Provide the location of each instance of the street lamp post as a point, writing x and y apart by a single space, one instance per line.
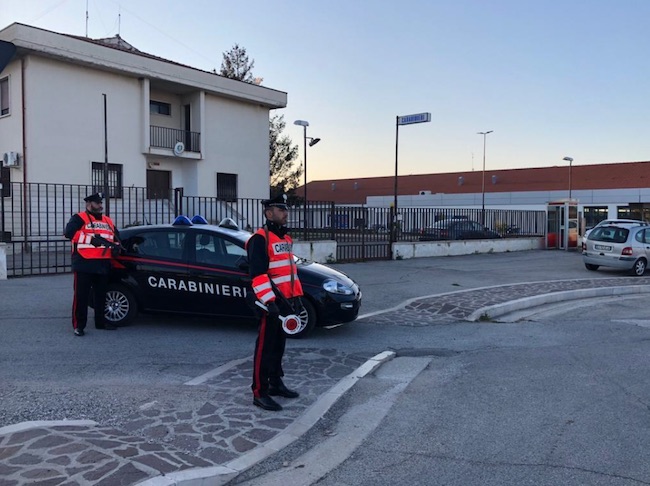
312 141
483 177
570 161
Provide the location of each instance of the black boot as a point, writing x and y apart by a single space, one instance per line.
267 403
278 389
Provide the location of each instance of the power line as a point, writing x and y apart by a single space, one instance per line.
163 32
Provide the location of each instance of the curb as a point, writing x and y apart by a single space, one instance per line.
498 310
220 475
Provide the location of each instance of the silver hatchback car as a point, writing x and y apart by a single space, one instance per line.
622 246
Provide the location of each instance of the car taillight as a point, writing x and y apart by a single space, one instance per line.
627 251
444 233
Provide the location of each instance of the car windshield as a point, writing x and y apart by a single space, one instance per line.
610 234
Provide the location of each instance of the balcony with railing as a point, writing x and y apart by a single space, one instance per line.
167 138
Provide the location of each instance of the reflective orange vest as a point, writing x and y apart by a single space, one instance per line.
81 240
282 269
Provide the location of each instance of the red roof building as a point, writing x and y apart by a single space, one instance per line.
615 176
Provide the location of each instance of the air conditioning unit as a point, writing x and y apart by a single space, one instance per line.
424 193
11 159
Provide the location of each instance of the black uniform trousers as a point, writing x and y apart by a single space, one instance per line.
83 283
269 349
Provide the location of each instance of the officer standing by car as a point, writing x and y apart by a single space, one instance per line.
273 271
94 237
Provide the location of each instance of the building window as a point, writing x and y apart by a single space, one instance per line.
159 183
160 108
5 180
625 212
594 215
114 179
4 96
226 187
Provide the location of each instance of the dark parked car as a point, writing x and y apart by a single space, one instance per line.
202 269
455 229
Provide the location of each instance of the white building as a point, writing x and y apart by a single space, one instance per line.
168 125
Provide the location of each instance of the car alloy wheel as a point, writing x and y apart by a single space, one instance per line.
121 306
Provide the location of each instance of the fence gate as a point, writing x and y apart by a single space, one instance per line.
362 233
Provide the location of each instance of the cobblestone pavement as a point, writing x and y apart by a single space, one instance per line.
159 438
459 306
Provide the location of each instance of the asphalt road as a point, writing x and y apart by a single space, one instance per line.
47 374
561 397
496 403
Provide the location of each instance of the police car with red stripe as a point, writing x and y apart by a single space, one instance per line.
191 267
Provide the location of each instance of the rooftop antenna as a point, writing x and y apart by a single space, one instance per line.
86 18
119 20
472 161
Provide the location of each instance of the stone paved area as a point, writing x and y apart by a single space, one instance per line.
459 306
160 438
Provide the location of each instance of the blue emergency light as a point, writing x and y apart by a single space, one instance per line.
182 221
198 219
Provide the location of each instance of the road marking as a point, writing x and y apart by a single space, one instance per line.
215 372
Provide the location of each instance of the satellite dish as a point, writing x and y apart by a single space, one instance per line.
179 148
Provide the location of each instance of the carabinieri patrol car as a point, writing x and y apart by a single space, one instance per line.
191 267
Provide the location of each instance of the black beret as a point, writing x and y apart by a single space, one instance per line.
277 202
96 198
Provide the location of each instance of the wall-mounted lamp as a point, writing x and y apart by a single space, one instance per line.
461 180
494 179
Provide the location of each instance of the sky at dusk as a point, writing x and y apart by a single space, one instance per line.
551 78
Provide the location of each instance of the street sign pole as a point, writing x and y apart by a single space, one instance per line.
402 120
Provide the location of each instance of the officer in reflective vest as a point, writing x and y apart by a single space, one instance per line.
93 237
272 269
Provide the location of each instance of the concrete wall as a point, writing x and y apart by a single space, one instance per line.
236 142
325 251
11 135
423 249
317 251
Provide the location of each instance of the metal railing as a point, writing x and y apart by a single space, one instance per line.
164 137
33 217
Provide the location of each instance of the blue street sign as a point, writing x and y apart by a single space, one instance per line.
417 118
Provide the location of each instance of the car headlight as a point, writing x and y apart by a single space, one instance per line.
334 287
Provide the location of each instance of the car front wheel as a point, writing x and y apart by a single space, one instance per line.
591 266
639 267
121 306
308 313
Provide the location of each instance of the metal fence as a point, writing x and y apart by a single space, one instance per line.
33 217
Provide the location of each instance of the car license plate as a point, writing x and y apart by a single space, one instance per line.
603 247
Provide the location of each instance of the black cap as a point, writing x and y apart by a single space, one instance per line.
96 198
277 202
